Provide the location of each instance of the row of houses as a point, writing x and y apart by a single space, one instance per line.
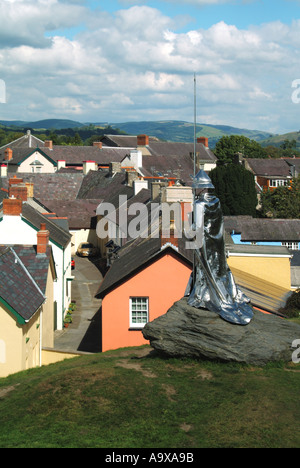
51 201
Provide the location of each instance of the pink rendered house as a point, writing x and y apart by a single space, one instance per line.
142 284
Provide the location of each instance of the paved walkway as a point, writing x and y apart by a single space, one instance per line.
84 333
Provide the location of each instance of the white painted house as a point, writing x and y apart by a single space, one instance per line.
19 225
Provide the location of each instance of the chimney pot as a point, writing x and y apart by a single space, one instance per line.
8 154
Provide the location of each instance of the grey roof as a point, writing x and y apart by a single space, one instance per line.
35 218
135 255
58 186
179 167
263 230
26 141
269 250
81 214
101 185
17 286
173 149
37 265
294 164
20 154
76 155
269 167
166 159
125 141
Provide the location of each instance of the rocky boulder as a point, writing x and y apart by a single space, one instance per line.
185 331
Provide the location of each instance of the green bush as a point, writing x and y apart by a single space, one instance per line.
292 306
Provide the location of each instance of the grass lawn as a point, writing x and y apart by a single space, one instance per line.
131 398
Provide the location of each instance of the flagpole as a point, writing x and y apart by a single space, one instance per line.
194 190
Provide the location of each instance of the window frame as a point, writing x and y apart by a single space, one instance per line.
138 325
291 245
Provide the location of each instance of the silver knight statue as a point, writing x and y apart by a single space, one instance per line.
212 285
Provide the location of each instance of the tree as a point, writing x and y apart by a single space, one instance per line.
283 202
229 146
235 187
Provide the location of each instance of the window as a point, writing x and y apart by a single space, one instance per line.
139 310
291 245
278 182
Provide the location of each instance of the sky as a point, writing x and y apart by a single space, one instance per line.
124 60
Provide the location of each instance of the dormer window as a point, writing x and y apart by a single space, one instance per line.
36 166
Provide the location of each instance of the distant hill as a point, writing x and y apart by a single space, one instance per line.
184 131
47 124
277 140
168 130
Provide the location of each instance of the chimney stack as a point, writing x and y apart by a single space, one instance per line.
8 154
142 140
97 144
3 170
42 240
61 163
30 189
12 207
171 237
49 144
18 191
89 166
203 140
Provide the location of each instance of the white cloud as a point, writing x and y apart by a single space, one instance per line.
134 65
24 22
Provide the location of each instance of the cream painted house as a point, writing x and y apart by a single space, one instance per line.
19 224
27 274
28 161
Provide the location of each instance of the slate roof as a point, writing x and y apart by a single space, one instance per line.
263 230
37 265
20 154
76 155
81 214
17 286
168 159
58 186
26 141
174 160
125 141
57 234
101 185
135 255
294 164
178 167
34 217
142 197
269 167
163 148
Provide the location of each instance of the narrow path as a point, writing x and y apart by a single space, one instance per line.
84 333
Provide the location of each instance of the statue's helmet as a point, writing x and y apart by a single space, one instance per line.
202 181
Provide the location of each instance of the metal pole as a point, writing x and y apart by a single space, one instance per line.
194 190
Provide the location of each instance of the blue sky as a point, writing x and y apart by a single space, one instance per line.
116 61
241 13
